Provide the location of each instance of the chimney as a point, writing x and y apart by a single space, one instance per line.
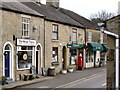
54 3
119 8
37 1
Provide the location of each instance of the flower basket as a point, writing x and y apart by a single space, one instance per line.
70 70
4 78
64 71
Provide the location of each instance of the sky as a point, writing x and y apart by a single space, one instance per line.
87 7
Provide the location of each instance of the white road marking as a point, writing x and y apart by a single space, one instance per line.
104 84
44 87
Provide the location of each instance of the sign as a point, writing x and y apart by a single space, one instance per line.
75 45
26 42
25 56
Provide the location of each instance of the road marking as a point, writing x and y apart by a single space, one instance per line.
104 84
85 79
44 87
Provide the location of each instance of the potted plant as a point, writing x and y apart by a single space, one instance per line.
64 71
4 78
70 69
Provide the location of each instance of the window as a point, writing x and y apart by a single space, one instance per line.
55 54
25 57
73 56
55 32
25 27
89 36
74 35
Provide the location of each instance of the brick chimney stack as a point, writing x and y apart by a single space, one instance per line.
54 3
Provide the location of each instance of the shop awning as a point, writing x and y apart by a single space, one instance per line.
95 46
105 48
74 45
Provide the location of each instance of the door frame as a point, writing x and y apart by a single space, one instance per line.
40 59
11 61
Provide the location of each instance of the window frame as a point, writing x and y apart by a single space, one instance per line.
22 50
90 36
25 26
55 32
55 53
74 38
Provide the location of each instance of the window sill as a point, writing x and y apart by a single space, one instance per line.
55 63
55 40
25 37
23 69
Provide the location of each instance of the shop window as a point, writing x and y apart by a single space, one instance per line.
25 57
25 27
73 56
55 54
89 57
55 32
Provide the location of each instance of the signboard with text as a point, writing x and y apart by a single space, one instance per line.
26 42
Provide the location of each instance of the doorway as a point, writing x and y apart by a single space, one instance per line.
64 61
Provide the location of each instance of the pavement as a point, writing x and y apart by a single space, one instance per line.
23 83
60 77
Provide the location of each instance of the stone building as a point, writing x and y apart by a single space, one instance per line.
45 36
61 34
21 40
93 39
112 25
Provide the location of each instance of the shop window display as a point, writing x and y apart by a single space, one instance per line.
25 57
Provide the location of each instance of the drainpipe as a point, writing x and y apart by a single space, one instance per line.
84 63
44 43
116 57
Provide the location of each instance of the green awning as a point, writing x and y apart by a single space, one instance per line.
105 48
74 45
94 46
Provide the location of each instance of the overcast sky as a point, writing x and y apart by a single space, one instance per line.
87 7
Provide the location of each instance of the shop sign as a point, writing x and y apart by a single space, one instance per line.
26 42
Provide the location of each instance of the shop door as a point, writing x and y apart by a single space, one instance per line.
7 63
37 62
64 58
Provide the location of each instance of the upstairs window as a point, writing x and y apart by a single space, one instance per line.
55 32
25 27
74 35
89 36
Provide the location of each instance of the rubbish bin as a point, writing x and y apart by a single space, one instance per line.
51 71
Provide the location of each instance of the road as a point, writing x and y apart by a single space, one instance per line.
88 78
94 81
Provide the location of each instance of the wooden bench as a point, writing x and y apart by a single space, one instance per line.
28 77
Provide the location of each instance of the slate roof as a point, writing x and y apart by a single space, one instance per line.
18 7
52 14
85 22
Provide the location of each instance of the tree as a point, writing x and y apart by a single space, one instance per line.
101 16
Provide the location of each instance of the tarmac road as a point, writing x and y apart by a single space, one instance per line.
87 78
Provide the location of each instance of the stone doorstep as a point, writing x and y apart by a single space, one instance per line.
23 83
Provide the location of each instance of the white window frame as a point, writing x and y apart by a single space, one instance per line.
74 38
54 55
26 22
89 36
54 31
24 50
